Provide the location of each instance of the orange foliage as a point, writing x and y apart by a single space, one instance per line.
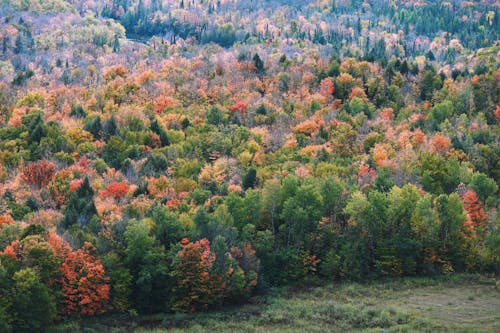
418 137
387 114
234 188
196 287
440 143
291 143
475 211
13 250
6 219
366 175
310 126
39 174
358 92
379 154
84 284
75 184
327 87
302 172
117 190
162 103
112 72
240 107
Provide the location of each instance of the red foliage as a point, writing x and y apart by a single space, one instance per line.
117 190
172 203
75 184
13 250
475 211
440 143
38 174
497 112
6 219
241 107
84 284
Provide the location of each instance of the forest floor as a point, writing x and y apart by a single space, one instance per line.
456 303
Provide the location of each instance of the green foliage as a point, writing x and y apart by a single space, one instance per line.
80 207
160 131
146 263
370 189
32 302
215 116
483 186
250 178
438 174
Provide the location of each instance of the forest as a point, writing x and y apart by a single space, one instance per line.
178 156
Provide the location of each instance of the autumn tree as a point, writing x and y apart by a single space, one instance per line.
475 211
38 174
195 288
85 286
116 190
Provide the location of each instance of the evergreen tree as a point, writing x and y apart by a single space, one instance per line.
80 207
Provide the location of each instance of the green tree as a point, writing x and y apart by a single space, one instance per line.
484 186
33 303
80 207
146 263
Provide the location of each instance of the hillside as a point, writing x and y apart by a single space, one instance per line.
162 156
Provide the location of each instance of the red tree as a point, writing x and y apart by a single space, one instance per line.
38 174
475 210
85 286
117 190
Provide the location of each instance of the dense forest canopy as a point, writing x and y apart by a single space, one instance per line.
175 156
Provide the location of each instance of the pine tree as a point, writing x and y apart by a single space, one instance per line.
80 207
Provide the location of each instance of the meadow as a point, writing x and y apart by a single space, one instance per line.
456 303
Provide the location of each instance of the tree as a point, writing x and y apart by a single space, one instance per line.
38 174
451 221
483 186
160 131
475 211
214 116
80 207
439 175
117 190
196 289
259 64
33 303
301 213
85 286
167 228
250 179
146 263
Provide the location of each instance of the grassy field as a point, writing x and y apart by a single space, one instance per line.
456 303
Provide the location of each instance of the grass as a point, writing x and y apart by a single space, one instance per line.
457 303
